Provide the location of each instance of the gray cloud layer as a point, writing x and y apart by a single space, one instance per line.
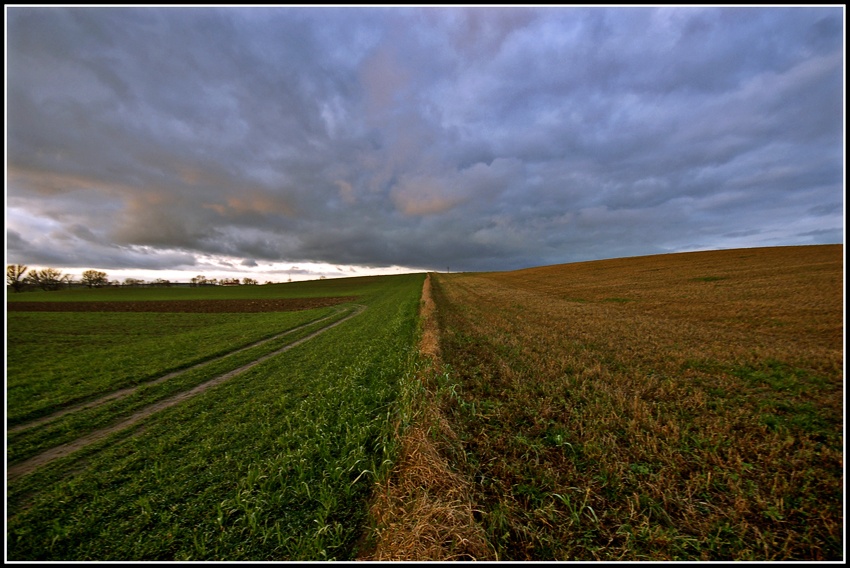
479 138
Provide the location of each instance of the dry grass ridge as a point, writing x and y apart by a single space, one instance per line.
423 511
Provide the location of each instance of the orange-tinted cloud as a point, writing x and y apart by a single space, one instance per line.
423 196
346 191
48 183
383 78
254 202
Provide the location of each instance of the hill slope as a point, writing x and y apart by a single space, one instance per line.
671 407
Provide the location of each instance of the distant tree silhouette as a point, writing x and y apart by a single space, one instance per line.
94 278
15 276
48 279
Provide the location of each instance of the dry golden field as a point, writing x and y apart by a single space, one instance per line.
671 407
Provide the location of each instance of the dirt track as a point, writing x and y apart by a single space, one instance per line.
16 471
184 306
130 390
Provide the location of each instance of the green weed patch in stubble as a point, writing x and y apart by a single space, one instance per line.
274 464
647 430
784 398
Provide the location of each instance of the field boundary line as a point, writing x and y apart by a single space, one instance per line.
17 471
125 392
424 510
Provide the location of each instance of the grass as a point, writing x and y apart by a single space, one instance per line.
304 289
682 425
277 463
26 443
56 359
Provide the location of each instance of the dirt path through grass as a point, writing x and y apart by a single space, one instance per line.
16 471
119 394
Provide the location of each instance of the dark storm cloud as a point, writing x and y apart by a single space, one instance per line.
476 138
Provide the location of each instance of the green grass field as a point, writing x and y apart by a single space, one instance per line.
60 358
276 463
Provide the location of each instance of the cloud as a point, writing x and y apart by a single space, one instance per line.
481 138
423 196
249 203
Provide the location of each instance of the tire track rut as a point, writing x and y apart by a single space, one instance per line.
125 392
18 470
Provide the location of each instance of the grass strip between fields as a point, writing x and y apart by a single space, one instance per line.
423 510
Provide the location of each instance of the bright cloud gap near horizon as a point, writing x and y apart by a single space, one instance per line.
240 142
224 269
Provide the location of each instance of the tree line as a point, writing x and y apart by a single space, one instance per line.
50 279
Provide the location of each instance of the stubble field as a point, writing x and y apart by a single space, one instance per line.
671 407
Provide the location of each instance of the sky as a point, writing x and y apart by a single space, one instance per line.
298 142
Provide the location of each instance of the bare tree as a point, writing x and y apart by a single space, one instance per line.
47 278
15 276
94 278
248 281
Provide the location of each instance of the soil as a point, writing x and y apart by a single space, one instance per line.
184 306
